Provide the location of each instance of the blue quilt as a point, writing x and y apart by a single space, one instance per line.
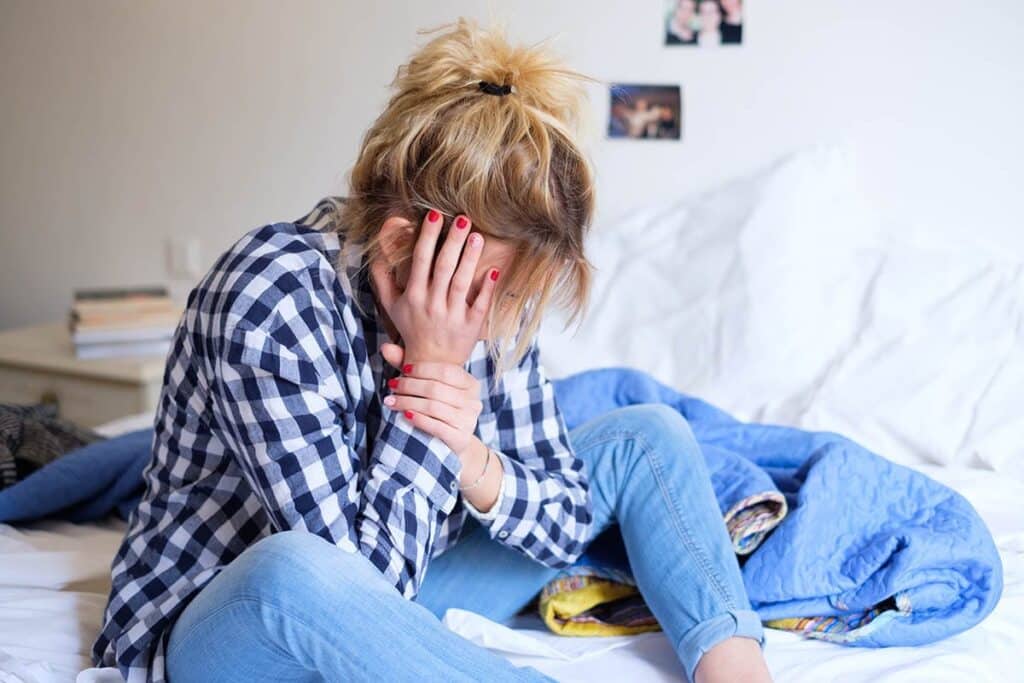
856 549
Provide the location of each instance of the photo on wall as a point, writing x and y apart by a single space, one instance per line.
704 22
645 112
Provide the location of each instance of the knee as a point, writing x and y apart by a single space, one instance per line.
659 427
661 418
295 565
292 542
639 432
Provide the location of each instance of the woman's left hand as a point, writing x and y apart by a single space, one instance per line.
443 399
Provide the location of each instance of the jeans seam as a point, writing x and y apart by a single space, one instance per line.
679 522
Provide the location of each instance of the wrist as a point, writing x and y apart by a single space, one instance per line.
481 478
426 354
472 458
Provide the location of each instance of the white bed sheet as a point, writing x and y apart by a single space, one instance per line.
54 578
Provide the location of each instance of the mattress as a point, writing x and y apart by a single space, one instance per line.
54 579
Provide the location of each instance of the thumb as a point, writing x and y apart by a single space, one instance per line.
393 353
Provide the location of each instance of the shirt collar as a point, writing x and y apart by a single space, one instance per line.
356 282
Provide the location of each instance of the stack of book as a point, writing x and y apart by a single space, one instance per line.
121 323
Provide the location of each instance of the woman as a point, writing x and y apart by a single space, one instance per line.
681 24
710 13
302 490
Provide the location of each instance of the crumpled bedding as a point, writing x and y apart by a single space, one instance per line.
860 552
33 435
838 542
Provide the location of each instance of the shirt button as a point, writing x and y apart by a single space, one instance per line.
502 534
454 485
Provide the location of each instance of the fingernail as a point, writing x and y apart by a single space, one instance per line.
407 368
393 383
461 222
389 400
494 274
475 239
408 414
433 215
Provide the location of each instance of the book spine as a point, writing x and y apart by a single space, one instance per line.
120 292
123 306
103 322
123 350
127 335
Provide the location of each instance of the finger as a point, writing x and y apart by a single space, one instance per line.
434 427
484 297
449 373
447 259
461 421
463 279
437 410
393 354
429 388
423 252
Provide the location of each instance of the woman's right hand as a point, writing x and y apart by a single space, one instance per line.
432 313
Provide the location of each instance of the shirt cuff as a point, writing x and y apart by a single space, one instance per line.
500 515
420 459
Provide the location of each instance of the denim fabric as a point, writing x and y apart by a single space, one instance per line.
647 475
295 607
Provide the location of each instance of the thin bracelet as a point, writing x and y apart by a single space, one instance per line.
481 477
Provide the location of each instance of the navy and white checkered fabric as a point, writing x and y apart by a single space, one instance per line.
270 418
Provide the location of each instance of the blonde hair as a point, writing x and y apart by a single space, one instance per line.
508 162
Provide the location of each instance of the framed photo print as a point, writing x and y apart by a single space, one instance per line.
704 23
645 112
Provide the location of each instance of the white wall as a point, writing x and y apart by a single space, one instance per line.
125 123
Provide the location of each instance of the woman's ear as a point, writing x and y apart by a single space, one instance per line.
395 233
397 239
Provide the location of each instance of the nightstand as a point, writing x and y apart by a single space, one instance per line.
38 364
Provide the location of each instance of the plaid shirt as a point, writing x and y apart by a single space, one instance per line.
270 418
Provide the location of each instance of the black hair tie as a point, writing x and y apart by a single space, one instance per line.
495 89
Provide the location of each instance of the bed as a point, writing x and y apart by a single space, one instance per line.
794 305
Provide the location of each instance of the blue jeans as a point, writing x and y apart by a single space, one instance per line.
294 607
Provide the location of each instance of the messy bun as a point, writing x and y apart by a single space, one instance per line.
508 161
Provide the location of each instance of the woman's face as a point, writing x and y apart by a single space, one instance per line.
710 16
733 6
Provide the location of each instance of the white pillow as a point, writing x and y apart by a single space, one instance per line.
938 371
780 298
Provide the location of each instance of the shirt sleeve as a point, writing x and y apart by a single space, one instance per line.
281 414
409 489
290 421
544 509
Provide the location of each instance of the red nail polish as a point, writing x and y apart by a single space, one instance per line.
461 222
408 414
392 383
494 274
407 368
433 216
